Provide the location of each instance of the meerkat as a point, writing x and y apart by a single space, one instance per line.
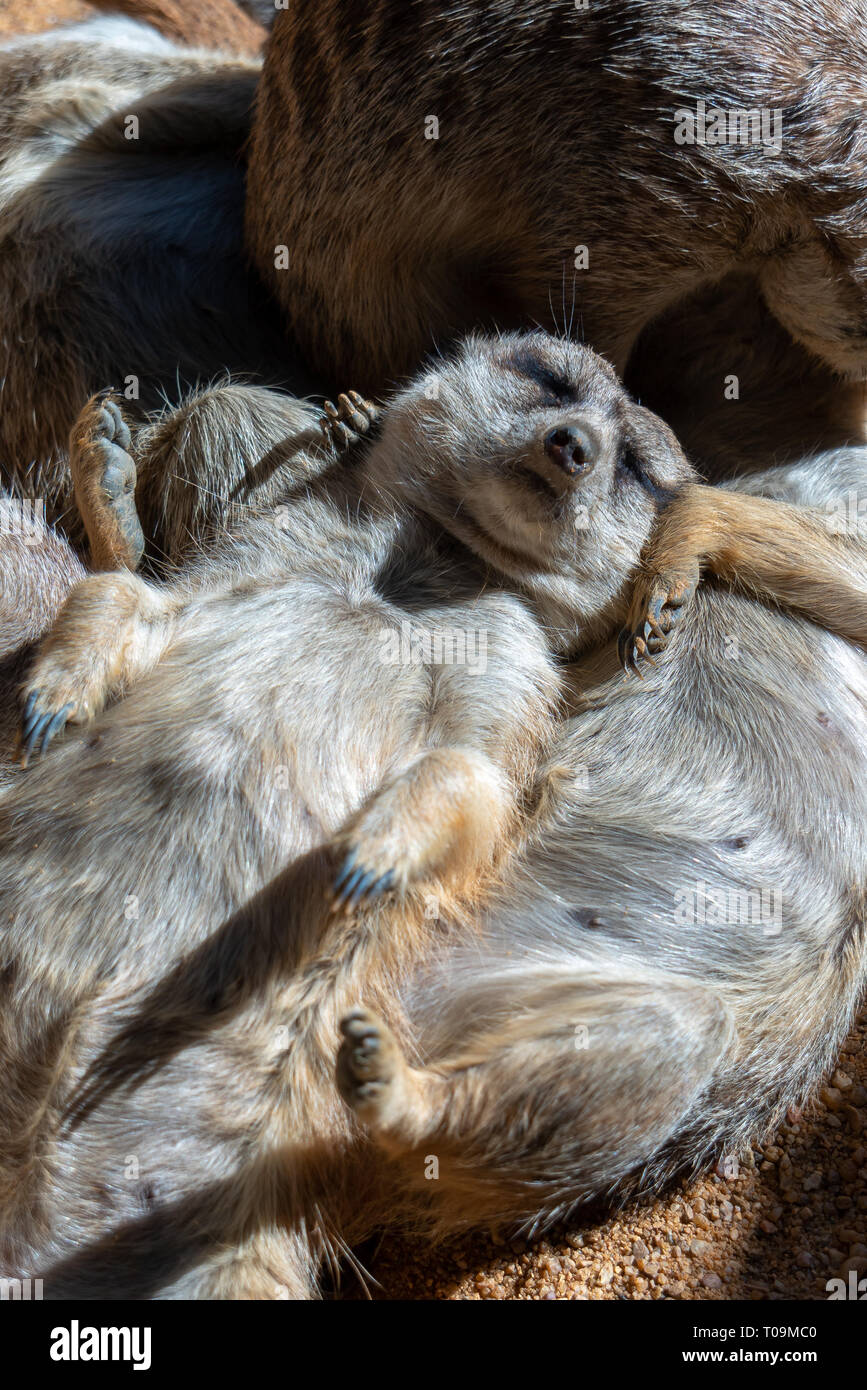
113 140
121 253
165 870
419 171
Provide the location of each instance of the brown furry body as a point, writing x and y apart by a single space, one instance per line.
121 256
556 132
568 1033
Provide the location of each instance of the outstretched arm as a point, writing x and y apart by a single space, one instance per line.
788 554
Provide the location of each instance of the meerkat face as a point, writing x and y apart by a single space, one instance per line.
530 449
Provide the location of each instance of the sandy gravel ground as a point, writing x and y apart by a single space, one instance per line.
790 1216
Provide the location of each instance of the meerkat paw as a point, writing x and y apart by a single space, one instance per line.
104 479
41 720
368 1062
60 691
658 604
398 1104
377 852
440 820
344 424
380 853
111 627
391 1099
357 881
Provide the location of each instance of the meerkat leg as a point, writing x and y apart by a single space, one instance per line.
111 629
578 1082
397 1102
441 818
104 479
788 554
582 1056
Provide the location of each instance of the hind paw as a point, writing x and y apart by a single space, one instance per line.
104 479
368 1062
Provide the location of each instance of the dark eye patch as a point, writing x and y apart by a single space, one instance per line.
558 387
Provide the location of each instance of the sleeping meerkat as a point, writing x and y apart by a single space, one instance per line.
168 929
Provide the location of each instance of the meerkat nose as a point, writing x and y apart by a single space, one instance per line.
570 449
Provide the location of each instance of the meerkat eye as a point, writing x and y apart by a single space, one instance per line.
557 388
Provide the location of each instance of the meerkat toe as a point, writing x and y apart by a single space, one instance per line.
40 723
657 608
345 423
368 411
357 882
114 426
104 477
368 1060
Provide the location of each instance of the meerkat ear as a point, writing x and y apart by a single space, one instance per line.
651 450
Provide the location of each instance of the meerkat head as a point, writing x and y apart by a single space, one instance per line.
530 450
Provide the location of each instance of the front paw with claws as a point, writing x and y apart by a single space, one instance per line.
658 604
41 720
358 882
351 419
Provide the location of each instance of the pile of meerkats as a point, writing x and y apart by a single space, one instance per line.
444 808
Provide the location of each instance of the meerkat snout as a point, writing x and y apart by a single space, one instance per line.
571 449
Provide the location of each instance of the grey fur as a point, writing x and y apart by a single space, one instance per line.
746 774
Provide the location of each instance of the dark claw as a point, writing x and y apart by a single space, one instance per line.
371 887
57 723
365 882
345 893
39 727
28 708
27 725
349 412
382 884
35 730
631 649
344 423
355 883
345 871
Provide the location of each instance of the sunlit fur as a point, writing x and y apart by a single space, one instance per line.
174 978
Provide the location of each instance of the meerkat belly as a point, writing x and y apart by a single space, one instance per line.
294 696
269 720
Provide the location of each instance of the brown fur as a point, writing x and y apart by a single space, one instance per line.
121 255
556 132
